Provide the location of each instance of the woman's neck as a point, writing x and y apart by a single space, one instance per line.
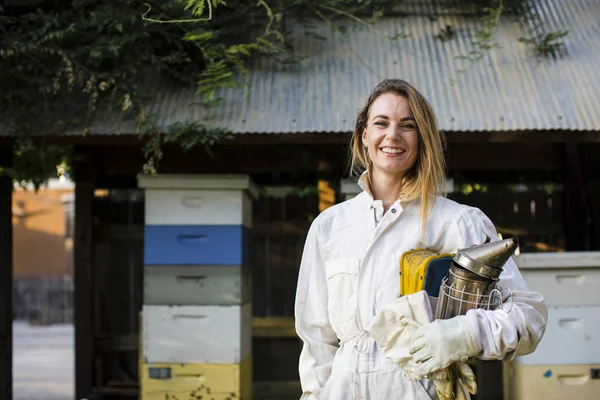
385 188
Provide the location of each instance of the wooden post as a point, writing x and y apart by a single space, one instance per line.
83 264
6 275
593 195
577 218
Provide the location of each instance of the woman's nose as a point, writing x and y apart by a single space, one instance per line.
394 132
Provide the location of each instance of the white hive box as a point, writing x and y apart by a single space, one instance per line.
569 279
197 285
572 337
551 382
198 199
198 207
197 334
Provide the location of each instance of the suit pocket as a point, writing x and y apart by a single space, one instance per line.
342 282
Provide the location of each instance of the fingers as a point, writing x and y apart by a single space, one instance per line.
441 375
443 388
422 356
424 369
464 371
417 344
429 366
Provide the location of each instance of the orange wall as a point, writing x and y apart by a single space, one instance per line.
39 244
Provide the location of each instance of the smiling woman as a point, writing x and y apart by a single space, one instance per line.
350 267
396 140
392 141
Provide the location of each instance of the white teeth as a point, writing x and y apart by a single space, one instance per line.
392 151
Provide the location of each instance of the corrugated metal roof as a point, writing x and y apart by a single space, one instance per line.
509 89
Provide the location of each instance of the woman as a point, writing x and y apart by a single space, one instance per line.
350 263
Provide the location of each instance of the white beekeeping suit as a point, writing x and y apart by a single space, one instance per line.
350 270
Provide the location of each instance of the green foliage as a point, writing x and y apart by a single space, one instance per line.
546 44
35 163
445 34
188 134
65 64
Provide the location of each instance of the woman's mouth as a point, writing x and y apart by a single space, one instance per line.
392 150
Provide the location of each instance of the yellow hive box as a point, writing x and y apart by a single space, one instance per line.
197 381
551 382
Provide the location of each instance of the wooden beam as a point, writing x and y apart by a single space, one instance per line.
576 211
280 327
83 260
593 198
505 156
125 162
531 136
6 275
120 161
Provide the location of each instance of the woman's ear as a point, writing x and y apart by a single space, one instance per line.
364 137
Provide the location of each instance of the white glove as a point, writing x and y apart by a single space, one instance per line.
453 382
436 345
466 376
396 323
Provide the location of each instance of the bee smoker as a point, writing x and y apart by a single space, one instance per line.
471 280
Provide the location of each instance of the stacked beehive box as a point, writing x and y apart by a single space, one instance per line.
566 364
197 314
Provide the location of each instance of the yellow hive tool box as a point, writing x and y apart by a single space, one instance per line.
423 269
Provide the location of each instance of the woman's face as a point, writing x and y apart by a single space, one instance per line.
391 136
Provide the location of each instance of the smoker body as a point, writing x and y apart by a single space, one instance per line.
472 278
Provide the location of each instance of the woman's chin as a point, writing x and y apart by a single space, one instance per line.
391 170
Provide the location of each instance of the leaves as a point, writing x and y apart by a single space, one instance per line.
64 63
546 44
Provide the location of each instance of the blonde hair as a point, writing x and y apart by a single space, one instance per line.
427 177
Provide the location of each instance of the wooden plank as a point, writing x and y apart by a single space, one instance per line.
280 327
83 266
6 260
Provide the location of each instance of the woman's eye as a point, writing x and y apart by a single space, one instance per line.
409 127
380 123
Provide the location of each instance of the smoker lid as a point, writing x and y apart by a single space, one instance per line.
486 259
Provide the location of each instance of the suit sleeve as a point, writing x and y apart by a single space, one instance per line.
312 318
515 328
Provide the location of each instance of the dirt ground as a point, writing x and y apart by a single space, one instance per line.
42 362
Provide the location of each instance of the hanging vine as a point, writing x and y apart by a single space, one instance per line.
67 65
